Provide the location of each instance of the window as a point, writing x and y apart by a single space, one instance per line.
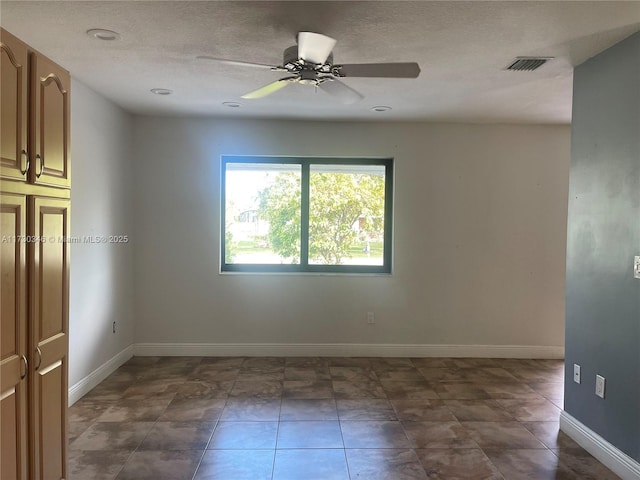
283 214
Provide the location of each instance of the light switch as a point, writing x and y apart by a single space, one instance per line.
636 266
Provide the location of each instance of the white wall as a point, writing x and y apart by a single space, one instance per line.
480 231
101 288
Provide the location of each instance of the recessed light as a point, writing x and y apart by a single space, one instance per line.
231 104
161 91
381 108
102 34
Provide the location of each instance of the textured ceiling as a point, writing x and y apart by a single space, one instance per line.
462 48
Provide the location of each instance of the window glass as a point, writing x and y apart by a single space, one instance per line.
346 214
256 192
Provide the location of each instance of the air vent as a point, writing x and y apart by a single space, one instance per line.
527 64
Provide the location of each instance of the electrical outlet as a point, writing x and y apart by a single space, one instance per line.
371 318
600 386
636 266
114 327
576 373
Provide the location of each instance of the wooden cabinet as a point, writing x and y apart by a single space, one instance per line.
35 116
49 312
34 226
14 58
49 145
13 339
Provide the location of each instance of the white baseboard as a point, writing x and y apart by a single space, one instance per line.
615 460
84 386
346 350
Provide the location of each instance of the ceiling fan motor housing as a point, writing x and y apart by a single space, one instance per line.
292 62
308 76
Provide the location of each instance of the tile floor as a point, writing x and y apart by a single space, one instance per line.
191 418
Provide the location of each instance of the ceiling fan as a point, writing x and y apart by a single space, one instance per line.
310 62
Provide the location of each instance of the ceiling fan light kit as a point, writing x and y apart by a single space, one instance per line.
310 62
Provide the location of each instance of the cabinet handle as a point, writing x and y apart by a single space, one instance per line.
26 168
26 367
39 157
39 352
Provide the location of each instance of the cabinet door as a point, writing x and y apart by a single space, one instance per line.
13 338
49 310
50 111
13 107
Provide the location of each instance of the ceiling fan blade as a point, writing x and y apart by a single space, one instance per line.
238 63
341 91
314 47
383 70
269 89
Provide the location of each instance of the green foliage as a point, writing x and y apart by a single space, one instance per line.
230 246
337 202
280 206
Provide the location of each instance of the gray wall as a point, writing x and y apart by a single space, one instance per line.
479 238
101 289
603 298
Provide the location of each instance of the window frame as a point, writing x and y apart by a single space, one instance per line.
305 166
